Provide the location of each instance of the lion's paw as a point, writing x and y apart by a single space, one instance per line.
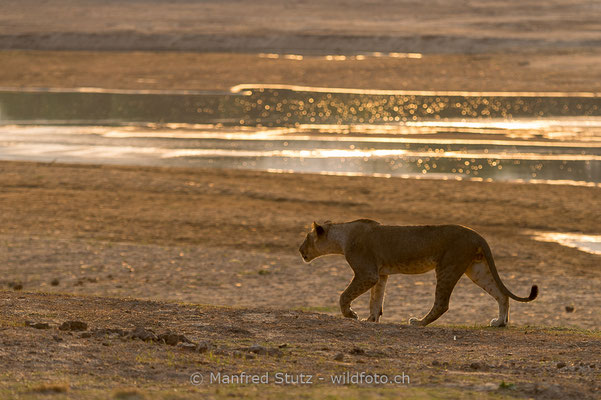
497 323
350 314
414 321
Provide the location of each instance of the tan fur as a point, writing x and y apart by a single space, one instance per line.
375 251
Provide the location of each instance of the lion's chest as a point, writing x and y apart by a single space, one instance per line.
407 267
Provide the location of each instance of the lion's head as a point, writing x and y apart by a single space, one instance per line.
316 242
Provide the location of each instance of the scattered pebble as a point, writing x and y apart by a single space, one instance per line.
15 285
57 338
111 333
261 350
339 357
250 356
357 351
143 334
37 325
569 309
173 339
73 326
55 282
561 364
255 348
436 363
475 365
85 335
187 346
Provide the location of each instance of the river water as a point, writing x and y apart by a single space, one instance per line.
524 137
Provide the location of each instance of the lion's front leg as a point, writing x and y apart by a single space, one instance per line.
358 286
376 299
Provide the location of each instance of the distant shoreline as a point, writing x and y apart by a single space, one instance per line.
524 71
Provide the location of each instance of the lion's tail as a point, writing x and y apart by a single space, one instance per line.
493 269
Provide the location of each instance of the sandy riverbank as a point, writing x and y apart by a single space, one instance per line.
213 45
537 70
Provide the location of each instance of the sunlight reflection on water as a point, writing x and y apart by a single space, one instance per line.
587 243
523 137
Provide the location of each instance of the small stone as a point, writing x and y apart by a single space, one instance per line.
357 351
57 338
41 325
173 339
569 309
436 363
143 334
283 345
475 365
561 364
110 332
255 348
187 346
85 335
250 356
339 357
55 282
106 344
18 286
73 326
170 338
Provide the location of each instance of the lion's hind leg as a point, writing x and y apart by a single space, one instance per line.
480 274
446 279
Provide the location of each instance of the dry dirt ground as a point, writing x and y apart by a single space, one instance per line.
229 239
433 362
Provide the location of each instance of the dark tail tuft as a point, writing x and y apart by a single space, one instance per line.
533 293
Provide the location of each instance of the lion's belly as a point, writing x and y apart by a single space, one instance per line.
411 267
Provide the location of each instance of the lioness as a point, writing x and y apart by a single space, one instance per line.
375 251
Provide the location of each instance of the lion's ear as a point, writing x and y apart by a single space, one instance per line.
318 229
